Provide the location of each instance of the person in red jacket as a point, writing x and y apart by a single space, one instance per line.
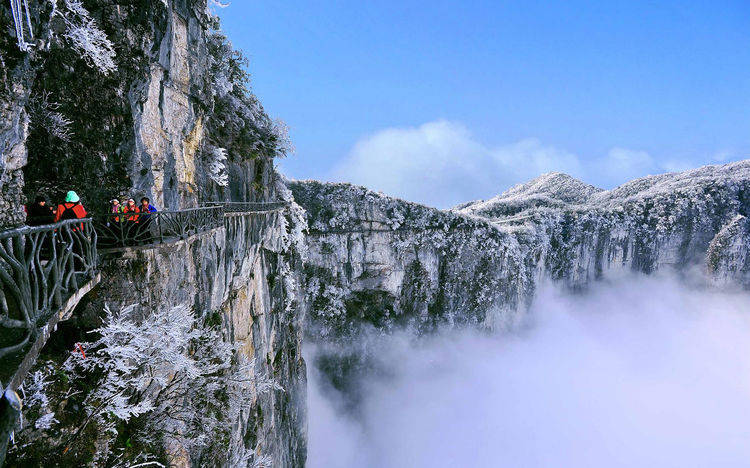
131 211
71 209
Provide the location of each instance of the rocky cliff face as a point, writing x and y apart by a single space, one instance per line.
247 274
380 261
152 102
728 258
130 99
245 278
375 260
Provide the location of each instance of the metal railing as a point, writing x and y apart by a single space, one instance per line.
40 267
132 229
249 207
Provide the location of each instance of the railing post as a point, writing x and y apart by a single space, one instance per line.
56 280
161 232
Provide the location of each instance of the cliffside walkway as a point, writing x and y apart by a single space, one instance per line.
120 231
46 270
248 208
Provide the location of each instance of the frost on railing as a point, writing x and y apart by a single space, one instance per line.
133 229
249 207
40 267
22 22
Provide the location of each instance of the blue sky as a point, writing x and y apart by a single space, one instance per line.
446 101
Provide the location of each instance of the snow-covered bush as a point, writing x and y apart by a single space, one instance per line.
84 35
35 397
284 145
217 166
238 121
189 384
44 115
212 5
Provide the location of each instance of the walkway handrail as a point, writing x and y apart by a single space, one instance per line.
40 267
249 207
131 229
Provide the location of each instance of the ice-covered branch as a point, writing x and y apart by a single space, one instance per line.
218 166
44 115
85 35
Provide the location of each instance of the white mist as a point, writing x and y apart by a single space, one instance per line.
642 373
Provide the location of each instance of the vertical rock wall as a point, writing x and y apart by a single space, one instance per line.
245 276
16 75
168 128
376 260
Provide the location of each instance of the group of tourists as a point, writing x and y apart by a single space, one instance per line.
133 220
40 213
130 209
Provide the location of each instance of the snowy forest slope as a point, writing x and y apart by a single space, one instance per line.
380 261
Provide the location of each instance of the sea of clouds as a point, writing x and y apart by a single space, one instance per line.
644 372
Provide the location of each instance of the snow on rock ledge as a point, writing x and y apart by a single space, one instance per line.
379 261
728 258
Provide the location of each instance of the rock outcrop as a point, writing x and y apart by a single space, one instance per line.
157 103
728 257
380 261
247 274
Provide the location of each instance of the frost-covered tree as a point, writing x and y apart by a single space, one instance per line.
190 383
84 34
161 379
45 115
218 166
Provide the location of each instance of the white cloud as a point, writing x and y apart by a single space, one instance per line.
642 372
441 164
432 163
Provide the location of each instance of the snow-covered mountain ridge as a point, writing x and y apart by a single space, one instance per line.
378 260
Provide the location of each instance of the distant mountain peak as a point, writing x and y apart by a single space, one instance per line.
556 185
550 189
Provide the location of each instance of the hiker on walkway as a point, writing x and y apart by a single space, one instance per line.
130 226
145 222
71 209
147 207
115 207
39 213
131 211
